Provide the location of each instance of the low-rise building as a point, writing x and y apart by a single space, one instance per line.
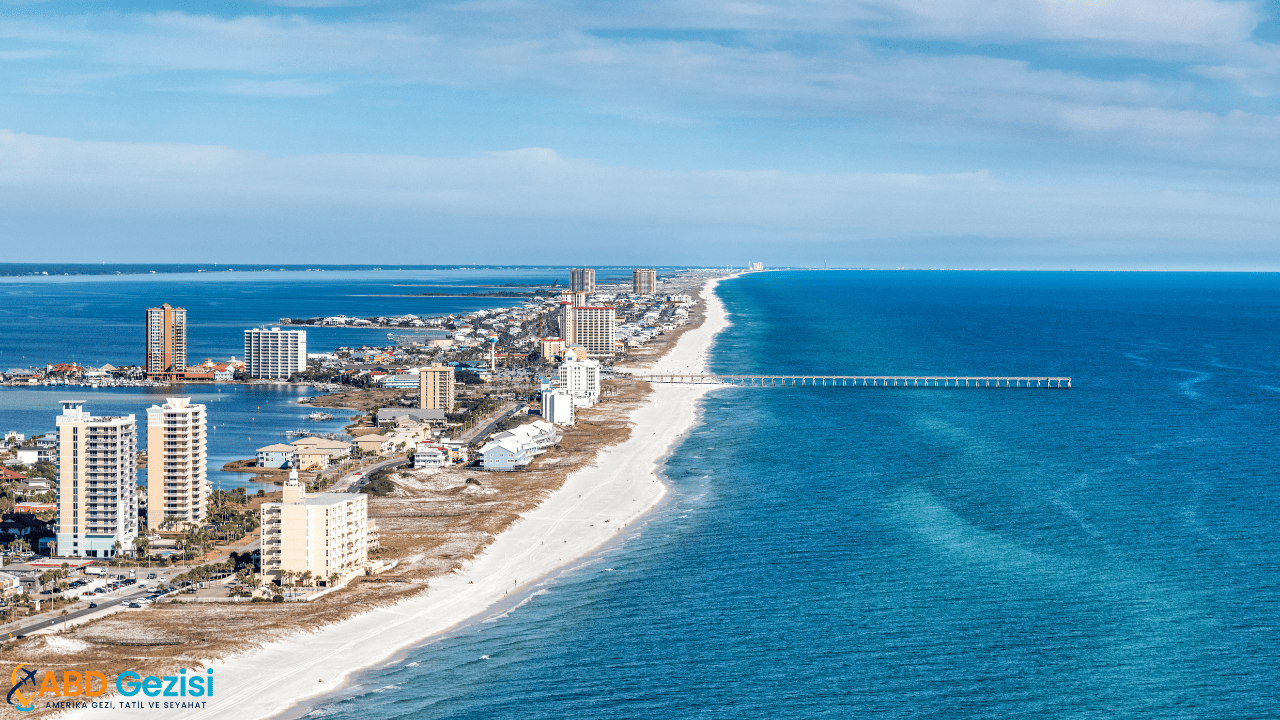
277 456
392 415
505 455
10 585
379 444
313 453
400 381
430 456
518 446
327 535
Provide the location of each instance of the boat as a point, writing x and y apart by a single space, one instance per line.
318 416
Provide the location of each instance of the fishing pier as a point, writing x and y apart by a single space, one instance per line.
931 381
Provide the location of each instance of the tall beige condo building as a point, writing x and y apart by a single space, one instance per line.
166 340
435 388
644 281
582 280
592 327
177 476
324 533
97 483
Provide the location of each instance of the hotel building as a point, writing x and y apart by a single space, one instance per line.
273 353
644 281
97 483
324 533
177 477
582 280
166 341
592 327
581 380
435 388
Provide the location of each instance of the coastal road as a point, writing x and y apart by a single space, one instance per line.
349 483
481 431
103 604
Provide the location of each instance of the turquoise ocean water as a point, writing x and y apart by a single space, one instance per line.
1111 551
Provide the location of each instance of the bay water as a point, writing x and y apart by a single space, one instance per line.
1108 551
97 319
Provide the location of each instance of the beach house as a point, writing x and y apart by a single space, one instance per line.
276 456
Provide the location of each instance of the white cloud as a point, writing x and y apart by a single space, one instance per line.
280 56
277 88
124 185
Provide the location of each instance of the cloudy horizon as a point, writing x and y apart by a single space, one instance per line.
1050 134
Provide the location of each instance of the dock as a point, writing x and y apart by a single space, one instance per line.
903 381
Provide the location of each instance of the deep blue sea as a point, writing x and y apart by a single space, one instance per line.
1109 551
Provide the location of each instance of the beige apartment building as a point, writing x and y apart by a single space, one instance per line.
97 483
435 388
324 534
313 453
644 281
177 473
549 348
166 341
592 327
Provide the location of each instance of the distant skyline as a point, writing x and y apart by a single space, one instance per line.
1018 134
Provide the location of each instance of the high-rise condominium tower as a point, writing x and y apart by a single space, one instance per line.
582 280
97 483
166 340
275 353
644 281
177 477
592 327
435 388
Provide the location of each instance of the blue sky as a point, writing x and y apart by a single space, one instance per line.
884 133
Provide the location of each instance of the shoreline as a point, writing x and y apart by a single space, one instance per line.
587 513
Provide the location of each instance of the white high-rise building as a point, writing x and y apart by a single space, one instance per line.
557 406
177 450
274 353
97 483
581 379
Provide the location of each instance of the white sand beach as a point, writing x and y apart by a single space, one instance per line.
591 508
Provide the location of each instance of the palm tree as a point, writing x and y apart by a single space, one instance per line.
333 578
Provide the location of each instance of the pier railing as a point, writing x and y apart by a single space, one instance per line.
932 381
